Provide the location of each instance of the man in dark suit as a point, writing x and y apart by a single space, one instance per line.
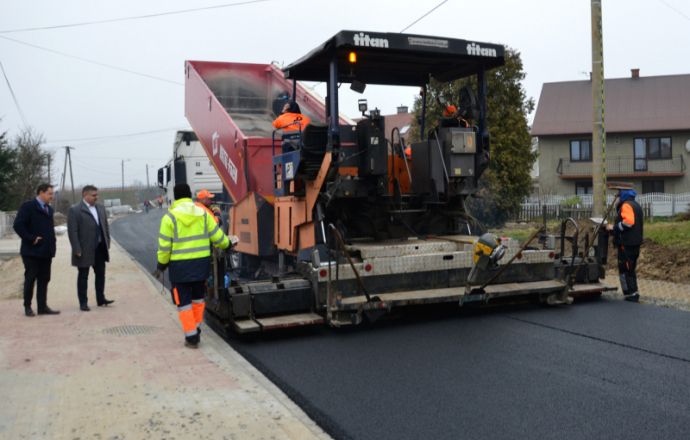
89 235
34 224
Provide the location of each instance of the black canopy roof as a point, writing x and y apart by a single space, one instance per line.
396 59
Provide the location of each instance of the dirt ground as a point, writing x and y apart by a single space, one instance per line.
658 262
11 278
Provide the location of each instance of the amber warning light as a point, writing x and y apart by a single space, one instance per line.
352 57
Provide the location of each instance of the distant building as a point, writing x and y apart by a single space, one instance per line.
402 120
647 121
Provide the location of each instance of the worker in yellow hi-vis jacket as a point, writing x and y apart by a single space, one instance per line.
183 247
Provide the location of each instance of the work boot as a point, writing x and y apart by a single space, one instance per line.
633 297
192 341
29 312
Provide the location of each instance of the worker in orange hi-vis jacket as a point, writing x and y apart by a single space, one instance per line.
204 200
627 236
291 119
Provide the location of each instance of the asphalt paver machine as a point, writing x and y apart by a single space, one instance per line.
338 223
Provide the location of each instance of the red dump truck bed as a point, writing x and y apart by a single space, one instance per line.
231 107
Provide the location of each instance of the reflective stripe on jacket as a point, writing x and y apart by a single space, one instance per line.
183 241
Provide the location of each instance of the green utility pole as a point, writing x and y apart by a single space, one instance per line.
598 105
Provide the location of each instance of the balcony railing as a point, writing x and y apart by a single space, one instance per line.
623 166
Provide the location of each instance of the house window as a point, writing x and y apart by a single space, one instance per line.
652 186
583 188
581 150
652 148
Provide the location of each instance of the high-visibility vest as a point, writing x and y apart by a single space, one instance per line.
185 233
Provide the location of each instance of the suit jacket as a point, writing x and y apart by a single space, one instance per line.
32 222
84 233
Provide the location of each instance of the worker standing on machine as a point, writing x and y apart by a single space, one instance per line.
183 246
627 236
204 200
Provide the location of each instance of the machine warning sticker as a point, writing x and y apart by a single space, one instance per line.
428 42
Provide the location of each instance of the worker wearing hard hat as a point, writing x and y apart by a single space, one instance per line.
291 118
204 200
627 236
183 247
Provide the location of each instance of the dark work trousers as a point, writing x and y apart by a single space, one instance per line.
36 271
627 263
99 271
189 299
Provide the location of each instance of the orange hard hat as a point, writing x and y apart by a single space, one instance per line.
204 194
449 111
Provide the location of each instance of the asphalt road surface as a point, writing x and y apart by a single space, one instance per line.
601 369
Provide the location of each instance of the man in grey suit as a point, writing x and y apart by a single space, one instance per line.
89 235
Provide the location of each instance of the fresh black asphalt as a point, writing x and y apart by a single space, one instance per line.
600 369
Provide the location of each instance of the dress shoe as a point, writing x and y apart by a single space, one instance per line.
633 297
84 308
48 311
28 311
106 302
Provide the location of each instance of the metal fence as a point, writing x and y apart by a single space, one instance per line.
6 221
653 205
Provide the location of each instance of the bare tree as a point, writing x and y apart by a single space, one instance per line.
32 163
8 169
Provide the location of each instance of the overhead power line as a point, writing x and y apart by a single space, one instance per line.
113 136
86 60
423 16
676 10
401 31
14 97
133 17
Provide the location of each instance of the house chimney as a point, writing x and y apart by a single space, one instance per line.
402 109
635 73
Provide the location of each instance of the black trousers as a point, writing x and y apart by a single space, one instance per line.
627 263
36 271
99 271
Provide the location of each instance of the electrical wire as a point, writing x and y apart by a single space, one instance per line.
401 31
134 17
14 97
423 16
97 63
114 136
676 10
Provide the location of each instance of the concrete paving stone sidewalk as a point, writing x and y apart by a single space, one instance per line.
122 372
660 293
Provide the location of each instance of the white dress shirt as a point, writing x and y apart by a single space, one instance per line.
93 211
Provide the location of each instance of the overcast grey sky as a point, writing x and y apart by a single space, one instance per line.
68 100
